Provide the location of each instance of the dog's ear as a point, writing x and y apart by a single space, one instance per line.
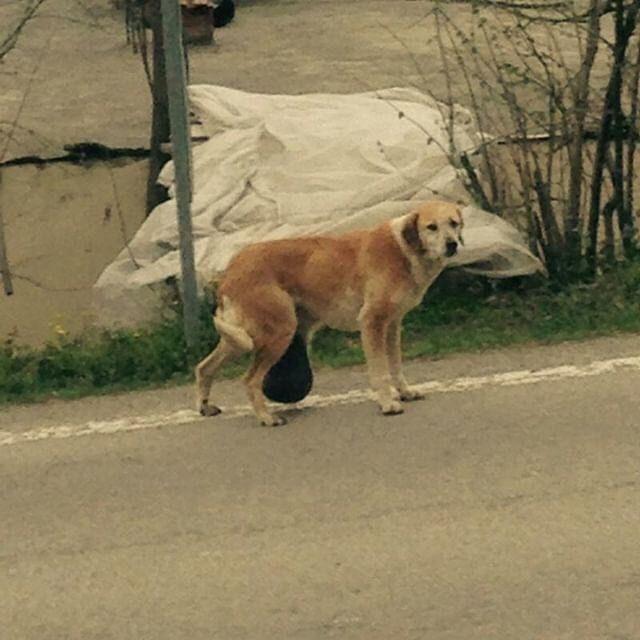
411 235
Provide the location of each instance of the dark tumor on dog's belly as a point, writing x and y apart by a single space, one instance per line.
224 13
291 378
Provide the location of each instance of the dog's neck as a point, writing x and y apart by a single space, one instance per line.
424 268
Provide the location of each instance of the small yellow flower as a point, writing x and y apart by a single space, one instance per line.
60 330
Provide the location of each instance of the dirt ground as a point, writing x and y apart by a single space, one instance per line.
73 78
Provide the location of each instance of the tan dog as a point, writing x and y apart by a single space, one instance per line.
364 280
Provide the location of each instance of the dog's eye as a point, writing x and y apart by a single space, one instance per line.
455 223
432 227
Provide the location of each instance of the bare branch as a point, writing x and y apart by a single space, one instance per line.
123 227
580 91
23 101
515 6
4 260
8 41
633 140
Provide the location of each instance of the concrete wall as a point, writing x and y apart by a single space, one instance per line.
63 224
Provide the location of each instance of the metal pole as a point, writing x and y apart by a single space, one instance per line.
160 123
181 145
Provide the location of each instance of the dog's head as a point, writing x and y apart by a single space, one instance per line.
434 230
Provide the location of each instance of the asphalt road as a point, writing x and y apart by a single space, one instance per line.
492 509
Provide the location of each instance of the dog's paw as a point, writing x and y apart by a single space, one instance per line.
272 421
209 410
392 408
409 395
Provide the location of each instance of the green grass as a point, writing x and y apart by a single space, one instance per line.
453 318
464 321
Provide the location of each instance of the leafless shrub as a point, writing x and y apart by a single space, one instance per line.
556 89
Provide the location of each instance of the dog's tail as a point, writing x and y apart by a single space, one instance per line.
234 333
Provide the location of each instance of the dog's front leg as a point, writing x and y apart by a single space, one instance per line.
374 328
394 350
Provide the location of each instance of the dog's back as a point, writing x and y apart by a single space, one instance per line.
303 267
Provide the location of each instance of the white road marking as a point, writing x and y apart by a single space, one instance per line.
154 421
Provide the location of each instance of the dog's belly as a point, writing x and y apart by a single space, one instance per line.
341 313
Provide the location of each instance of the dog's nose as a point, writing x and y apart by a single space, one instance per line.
452 248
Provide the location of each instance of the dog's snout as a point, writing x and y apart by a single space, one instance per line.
452 248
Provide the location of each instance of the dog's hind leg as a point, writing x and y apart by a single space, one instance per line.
234 340
205 372
264 358
273 334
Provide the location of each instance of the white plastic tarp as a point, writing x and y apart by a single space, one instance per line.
279 166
